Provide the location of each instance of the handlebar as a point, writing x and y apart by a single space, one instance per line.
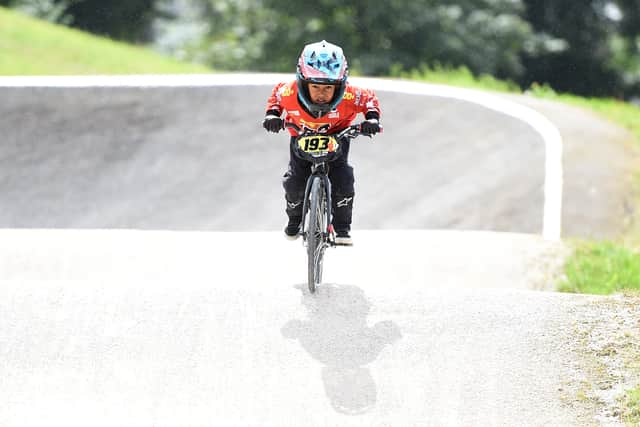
351 132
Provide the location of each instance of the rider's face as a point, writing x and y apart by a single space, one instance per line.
321 94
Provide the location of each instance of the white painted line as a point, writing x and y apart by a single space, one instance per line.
551 228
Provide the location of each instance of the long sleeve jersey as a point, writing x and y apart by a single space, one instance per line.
284 98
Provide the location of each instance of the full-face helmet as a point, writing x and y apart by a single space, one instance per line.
321 63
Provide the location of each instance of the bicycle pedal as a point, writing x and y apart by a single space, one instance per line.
343 241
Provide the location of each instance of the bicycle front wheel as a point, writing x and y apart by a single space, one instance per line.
316 233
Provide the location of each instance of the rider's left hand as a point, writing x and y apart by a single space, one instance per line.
370 127
273 123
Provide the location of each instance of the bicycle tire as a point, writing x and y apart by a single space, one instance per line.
316 233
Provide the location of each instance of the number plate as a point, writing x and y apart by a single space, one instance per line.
318 144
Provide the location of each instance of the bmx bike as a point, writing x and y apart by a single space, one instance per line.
316 227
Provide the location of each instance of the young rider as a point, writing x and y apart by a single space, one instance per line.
321 99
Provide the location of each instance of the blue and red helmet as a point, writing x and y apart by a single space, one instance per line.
321 63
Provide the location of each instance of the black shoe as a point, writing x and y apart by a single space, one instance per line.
292 230
343 238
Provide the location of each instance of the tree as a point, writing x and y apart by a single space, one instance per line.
576 52
120 19
627 48
129 20
485 35
49 10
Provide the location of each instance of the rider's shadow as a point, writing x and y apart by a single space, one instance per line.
337 335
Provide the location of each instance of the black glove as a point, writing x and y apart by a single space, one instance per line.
273 123
370 127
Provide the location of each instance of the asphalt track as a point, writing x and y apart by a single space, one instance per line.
160 328
197 159
187 307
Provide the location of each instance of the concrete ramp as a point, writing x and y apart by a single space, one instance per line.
159 328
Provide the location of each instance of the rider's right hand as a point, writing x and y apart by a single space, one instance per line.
273 123
370 127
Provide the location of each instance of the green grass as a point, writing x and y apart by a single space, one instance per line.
601 268
631 409
460 76
33 47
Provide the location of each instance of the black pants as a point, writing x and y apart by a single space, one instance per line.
342 188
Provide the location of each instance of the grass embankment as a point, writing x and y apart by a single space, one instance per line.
631 405
32 47
601 268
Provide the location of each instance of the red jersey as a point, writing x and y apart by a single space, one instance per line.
355 100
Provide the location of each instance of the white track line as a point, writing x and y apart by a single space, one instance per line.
551 228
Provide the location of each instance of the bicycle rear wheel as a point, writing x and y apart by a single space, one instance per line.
316 233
